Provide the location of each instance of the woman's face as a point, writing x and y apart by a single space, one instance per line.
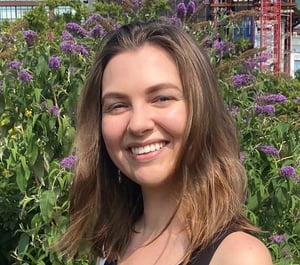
144 114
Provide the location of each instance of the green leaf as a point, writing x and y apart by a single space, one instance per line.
25 167
20 179
47 202
23 243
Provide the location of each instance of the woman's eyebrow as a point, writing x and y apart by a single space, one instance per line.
149 90
160 86
114 95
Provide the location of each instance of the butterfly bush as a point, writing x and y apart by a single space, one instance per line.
14 64
269 150
277 239
54 62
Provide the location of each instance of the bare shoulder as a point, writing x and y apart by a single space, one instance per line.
240 248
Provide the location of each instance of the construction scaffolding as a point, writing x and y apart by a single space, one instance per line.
270 37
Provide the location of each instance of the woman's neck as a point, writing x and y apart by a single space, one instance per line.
160 212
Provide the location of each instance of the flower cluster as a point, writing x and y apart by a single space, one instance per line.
223 48
269 150
14 64
137 3
255 62
54 62
97 31
277 238
185 11
270 98
68 162
239 80
77 29
25 76
289 172
66 35
242 157
234 110
30 37
265 109
70 46
92 19
54 110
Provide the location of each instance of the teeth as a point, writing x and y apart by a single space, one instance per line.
147 148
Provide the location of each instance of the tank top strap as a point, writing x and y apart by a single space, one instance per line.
204 256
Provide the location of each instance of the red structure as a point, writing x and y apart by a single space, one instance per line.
270 28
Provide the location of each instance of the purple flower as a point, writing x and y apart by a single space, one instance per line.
250 65
297 100
66 35
14 64
223 48
265 109
270 98
68 162
181 11
269 150
54 62
262 58
80 31
288 171
137 3
190 8
242 80
277 239
242 157
67 46
25 76
81 49
92 19
30 37
234 110
218 45
216 36
97 31
54 110
70 46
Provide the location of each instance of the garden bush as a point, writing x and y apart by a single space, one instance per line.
43 66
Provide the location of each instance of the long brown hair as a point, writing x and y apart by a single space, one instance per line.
103 212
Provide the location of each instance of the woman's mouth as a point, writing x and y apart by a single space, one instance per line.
147 148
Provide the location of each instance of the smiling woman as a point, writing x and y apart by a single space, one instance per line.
158 177
142 96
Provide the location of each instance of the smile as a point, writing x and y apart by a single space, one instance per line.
147 148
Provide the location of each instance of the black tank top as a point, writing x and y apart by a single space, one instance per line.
204 256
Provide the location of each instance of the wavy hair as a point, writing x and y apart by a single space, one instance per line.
102 211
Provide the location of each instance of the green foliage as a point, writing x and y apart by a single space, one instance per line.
37 119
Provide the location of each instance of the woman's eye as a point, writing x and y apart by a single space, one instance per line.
114 108
163 98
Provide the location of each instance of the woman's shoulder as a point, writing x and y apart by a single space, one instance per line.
240 248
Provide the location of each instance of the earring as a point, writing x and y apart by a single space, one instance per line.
119 176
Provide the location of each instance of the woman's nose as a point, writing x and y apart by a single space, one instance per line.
141 121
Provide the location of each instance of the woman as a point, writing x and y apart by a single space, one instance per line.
158 178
